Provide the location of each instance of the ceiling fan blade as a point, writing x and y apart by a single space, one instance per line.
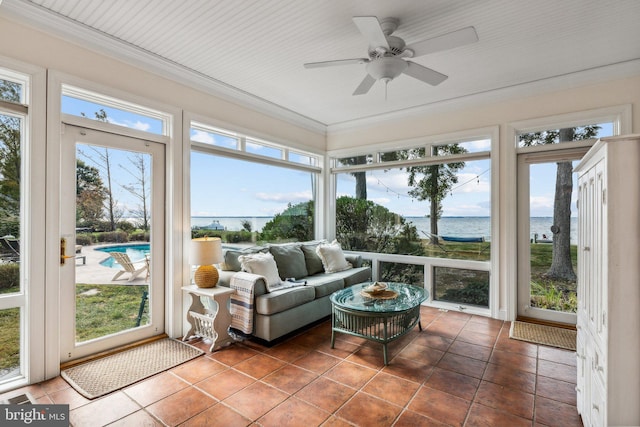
424 74
336 62
446 41
370 28
364 85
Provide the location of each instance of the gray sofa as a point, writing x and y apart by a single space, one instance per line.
280 312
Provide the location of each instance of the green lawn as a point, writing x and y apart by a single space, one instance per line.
100 310
107 309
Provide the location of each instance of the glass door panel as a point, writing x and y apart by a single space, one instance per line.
112 242
547 241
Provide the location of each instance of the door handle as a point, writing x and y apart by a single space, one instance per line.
63 251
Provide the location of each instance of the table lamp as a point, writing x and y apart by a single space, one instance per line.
206 251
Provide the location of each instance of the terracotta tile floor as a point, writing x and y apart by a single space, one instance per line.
461 370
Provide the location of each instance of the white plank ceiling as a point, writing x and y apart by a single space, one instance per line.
256 48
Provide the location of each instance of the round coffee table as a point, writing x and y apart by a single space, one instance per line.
380 318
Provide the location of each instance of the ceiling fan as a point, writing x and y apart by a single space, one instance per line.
387 53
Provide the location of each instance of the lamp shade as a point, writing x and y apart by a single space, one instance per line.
206 251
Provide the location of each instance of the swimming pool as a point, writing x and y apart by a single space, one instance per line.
136 252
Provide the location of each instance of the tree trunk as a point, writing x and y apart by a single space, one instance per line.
561 265
361 185
435 203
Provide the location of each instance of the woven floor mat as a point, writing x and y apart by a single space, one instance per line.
101 376
545 335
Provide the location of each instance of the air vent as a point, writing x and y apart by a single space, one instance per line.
21 399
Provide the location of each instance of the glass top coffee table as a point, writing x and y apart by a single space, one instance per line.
382 318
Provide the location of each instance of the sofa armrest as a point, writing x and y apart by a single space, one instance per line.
260 287
355 260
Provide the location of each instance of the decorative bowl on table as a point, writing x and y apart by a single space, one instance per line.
376 288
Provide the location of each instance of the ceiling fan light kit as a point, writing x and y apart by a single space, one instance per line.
387 53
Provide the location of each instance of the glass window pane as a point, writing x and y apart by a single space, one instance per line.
117 116
409 154
546 224
476 146
353 161
390 211
302 158
214 138
248 203
557 136
263 150
10 192
11 91
9 343
461 286
403 273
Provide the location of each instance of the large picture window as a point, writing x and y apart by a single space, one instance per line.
260 193
438 210
425 203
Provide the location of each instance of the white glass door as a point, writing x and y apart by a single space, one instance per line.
547 236
112 241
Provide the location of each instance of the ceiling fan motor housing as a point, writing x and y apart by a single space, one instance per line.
386 68
396 47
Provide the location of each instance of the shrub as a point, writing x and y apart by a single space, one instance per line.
238 236
295 223
10 226
84 239
139 236
112 236
9 276
125 226
475 293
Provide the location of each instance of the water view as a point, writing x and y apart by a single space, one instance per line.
448 226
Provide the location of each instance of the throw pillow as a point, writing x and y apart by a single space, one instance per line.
290 261
311 258
231 261
263 265
332 257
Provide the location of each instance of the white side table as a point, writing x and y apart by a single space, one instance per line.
211 319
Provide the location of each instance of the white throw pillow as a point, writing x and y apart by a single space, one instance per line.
332 257
262 264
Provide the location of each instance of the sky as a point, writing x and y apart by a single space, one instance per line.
229 187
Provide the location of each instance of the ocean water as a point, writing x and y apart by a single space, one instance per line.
447 226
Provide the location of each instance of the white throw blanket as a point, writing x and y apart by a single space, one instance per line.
241 302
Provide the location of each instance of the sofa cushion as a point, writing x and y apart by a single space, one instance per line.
277 301
312 259
325 284
290 261
262 265
332 257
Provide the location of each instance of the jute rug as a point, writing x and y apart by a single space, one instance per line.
545 335
101 376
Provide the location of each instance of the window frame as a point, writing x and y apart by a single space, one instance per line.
620 115
32 111
492 266
240 153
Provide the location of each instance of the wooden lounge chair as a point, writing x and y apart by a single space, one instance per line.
9 249
128 266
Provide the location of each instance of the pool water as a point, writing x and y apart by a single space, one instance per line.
136 252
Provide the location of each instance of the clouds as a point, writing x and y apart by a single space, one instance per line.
293 197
